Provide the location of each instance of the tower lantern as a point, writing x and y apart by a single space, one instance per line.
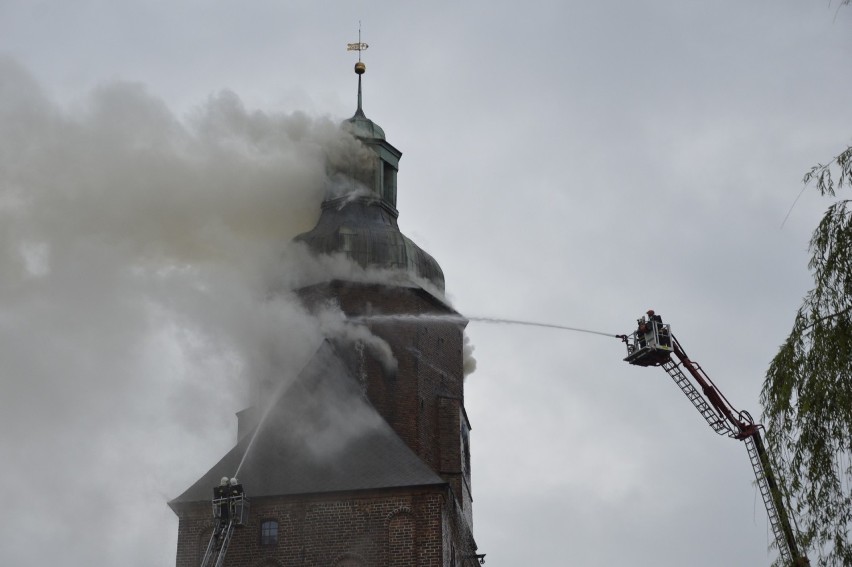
382 181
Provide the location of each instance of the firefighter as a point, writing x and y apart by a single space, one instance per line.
220 494
235 499
656 323
641 331
654 318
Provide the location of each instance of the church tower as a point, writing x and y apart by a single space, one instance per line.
364 459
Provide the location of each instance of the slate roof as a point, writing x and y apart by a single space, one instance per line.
369 235
321 435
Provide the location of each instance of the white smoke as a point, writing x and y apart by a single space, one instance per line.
350 165
335 324
137 254
469 364
303 268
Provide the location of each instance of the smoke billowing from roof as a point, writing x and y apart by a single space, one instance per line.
137 252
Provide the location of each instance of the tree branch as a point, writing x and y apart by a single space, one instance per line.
830 316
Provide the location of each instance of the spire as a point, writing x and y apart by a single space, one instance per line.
360 68
361 126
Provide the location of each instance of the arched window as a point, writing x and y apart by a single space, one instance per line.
269 532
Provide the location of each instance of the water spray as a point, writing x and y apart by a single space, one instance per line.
460 319
282 387
535 324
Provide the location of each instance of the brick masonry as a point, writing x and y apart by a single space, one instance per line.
393 527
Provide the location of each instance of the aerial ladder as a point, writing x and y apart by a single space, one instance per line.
653 344
230 511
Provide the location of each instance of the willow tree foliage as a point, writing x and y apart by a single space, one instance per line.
807 394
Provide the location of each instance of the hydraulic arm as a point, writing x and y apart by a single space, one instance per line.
653 344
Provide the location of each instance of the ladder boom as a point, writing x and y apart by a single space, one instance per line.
772 499
713 419
653 344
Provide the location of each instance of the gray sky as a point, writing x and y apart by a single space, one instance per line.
573 163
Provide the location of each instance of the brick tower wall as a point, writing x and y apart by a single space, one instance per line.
424 399
393 527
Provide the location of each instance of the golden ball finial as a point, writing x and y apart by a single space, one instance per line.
360 68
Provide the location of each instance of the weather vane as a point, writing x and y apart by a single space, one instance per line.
359 47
